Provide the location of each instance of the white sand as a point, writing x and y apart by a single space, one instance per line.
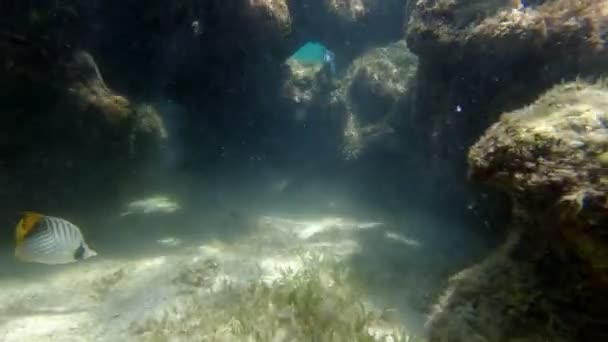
98 299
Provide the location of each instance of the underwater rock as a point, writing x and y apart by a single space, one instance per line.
303 83
351 10
274 13
507 29
364 104
65 130
481 58
371 96
220 58
90 94
549 158
521 294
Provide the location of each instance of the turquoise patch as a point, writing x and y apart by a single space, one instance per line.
311 52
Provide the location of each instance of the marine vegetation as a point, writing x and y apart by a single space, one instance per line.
316 303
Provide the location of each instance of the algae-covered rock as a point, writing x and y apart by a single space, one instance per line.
519 294
371 95
455 30
480 58
304 82
263 14
89 95
550 158
65 131
483 57
357 9
276 12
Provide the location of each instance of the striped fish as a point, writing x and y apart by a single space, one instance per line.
49 240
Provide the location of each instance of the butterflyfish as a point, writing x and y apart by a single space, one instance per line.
49 240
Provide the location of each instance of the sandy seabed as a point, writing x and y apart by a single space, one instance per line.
103 298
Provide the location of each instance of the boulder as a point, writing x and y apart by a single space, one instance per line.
65 131
521 294
456 31
549 281
482 58
372 98
98 106
550 157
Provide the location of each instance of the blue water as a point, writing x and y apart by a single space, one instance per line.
311 52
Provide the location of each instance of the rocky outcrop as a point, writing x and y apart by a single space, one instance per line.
74 99
89 95
550 157
213 57
481 58
372 97
520 293
129 123
65 131
506 29
304 84
366 104
550 280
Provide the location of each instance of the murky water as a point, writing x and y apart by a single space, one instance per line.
280 171
150 266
